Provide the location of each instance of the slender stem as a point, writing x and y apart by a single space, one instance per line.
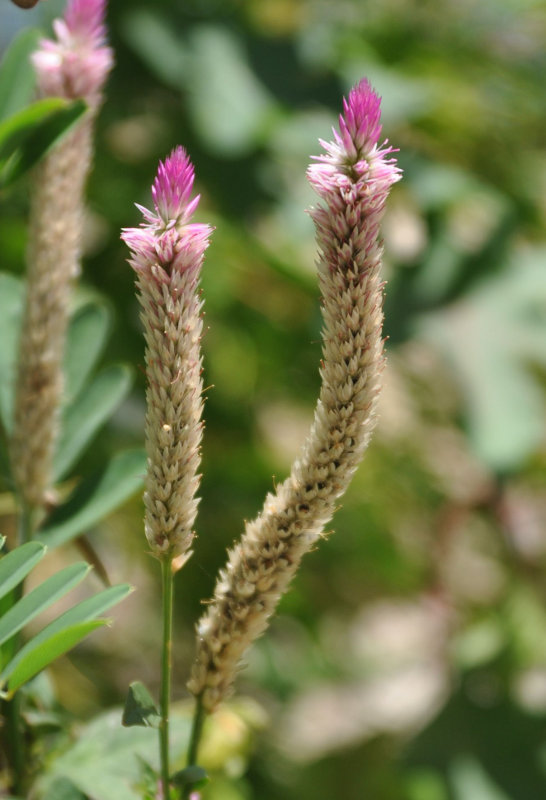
166 669
15 745
27 522
196 731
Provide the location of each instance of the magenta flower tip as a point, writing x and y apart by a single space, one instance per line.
75 64
167 241
86 18
360 122
172 188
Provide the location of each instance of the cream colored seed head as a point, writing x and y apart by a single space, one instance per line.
261 565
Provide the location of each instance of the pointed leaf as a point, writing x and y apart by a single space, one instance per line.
15 566
193 777
11 311
140 708
85 611
46 652
27 136
41 598
17 75
85 342
95 497
88 413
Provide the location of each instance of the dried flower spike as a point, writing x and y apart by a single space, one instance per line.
352 178
73 66
167 253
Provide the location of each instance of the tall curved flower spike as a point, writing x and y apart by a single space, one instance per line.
74 65
352 178
167 254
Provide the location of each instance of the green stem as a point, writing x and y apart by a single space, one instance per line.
195 738
166 669
28 519
15 744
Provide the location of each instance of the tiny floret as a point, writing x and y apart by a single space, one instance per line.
76 63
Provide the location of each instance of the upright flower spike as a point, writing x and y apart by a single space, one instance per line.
74 65
353 178
167 253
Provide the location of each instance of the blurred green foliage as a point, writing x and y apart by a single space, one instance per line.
408 661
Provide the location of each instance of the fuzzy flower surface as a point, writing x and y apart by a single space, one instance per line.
352 178
167 253
76 63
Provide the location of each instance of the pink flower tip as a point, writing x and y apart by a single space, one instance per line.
360 122
172 187
75 64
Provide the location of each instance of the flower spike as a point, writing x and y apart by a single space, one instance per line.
167 253
352 178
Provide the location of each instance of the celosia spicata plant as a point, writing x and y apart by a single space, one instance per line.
74 65
352 178
167 253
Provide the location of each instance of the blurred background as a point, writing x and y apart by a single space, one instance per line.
408 661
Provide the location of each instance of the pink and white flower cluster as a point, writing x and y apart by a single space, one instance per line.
167 241
75 64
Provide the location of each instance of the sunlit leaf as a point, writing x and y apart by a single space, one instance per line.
41 598
45 653
95 497
84 611
15 566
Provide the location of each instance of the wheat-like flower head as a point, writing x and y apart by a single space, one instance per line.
167 252
75 65
352 178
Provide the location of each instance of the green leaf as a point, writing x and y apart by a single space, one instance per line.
17 75
45 653
88 413
95 497
26 136
86 338
85 611
140 708
105 762
194 777
41 598
15 566
155 42
491 337
11 310
63 789
231 108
